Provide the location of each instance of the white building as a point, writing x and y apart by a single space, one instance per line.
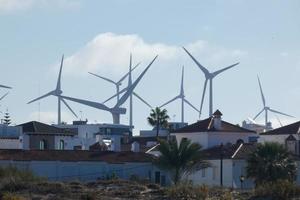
10 137
214 131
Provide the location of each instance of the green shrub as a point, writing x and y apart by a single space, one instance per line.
11 196
188 191
278 190
20 175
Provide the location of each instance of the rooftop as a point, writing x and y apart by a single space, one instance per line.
35 127
206 126
285 130
74 156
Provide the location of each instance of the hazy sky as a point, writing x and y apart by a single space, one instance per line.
98 36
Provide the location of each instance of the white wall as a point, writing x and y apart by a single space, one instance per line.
216 138
200 138
211 176
10 143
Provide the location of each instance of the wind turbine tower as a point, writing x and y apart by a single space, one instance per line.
57 92
266 108
116 110
209 76
181 96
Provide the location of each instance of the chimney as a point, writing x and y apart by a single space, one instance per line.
135 147
217 117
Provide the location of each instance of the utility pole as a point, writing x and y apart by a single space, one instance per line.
221 165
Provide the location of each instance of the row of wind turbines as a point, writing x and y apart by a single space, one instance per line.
122 95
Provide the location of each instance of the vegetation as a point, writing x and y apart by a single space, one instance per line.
271 162
181 159
158 118
277 190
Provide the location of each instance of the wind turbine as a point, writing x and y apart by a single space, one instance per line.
116 83
57 92
4 96
209 76
267 108
4 86
132 94
181 96
116 110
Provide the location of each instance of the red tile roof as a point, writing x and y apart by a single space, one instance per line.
205 126
285 130
73 156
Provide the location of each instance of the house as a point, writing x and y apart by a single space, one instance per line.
36 135
113 135
213 131
162 131
68 165
288 135
10 137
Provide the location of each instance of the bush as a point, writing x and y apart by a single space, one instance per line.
278 190
20 175
50 187
11 196
188 191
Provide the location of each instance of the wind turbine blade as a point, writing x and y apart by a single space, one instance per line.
110 98
186 101
140 98
251 120
261 92
69 107
4 96
58 85
259 113
106 79
205 71
278 120
169 101
4 86
281 113
224 69
132 87
122 79
88 103
202 99
41 97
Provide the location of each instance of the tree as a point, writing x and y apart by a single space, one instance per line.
271 162
180 160
6 120
158 118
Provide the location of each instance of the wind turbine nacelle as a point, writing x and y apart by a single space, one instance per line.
118 110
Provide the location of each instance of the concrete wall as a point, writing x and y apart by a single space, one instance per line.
211 176
200 138
85 171
10 144
216 138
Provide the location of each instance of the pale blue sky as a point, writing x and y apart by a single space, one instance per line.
262 35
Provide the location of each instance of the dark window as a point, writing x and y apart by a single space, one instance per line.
163 180
157 177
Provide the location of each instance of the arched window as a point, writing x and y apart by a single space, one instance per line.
239 142
43 144
61 145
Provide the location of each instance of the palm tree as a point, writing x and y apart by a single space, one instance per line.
270 162
158 118
180 160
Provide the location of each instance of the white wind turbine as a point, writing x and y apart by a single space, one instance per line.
116 110
267 108
4 86
209 76
116 83
4 96
57 92
129 74
181 96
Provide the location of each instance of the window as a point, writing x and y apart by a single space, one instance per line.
157 177
43 144
214 174
203 172
61 145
